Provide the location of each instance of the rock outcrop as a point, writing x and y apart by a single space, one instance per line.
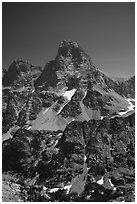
69 130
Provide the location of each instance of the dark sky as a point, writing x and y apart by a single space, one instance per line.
105 31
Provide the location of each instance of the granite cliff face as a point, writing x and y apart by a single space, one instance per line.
68 129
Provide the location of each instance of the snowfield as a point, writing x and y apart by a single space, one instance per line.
130 107
69 94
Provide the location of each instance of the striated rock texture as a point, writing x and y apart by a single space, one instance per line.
69 130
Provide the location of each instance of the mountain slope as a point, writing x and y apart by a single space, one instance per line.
69 129
93 94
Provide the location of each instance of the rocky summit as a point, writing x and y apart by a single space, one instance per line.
68 130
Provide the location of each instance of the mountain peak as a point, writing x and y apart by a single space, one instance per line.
69 127
68 48
19 73
68 43
71 55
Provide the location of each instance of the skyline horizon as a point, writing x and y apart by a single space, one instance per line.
109 74
105 31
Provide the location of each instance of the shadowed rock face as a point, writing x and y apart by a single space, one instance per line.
80 156
68 129
21 74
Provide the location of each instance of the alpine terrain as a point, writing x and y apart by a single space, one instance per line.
68 131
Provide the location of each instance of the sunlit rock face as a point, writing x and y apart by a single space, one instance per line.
68 129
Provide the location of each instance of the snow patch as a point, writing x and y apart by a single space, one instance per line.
85 158
68 187
101 181
88 168
69 94
29 128
60 134
61 109
122 113
110 183
56 142
45 188
53 190
114 189
130 107
85 94
46 111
